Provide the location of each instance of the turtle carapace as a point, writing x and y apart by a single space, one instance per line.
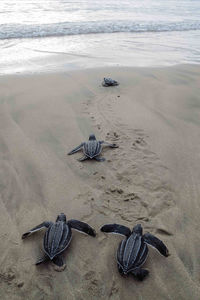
58 237
92 148
133 250
109 82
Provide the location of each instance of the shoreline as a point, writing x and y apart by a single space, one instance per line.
152 179
112 68
86 51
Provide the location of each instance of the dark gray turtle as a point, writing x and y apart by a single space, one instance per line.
92 148
109 82
133 251
58 237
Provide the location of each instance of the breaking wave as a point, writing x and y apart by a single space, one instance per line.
12 31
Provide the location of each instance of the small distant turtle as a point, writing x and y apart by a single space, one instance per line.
109 82
133 251
58 237
92 148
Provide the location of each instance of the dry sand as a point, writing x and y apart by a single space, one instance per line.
152 179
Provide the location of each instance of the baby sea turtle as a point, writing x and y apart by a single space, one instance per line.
92 148
58 237
133 251
109 82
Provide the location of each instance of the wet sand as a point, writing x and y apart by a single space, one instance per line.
152 179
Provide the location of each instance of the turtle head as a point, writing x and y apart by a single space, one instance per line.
137 229
92 137
61 217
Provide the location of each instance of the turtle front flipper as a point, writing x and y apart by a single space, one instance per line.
81 226
42 259
140 273
156 243
116 228
36 228
76 149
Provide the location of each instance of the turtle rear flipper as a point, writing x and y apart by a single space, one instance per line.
156 243
120 270
100 159
36 228
59 265
116 228
76 149
42 259
140 273
82 227
83 158
109 145
58 261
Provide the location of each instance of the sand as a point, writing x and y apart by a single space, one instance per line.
152 179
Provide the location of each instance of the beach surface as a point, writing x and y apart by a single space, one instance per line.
152 179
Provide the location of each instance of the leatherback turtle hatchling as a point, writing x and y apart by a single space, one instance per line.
92 148
109 82
58 237
132 251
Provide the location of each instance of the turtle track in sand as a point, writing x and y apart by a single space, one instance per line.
131 187
135 185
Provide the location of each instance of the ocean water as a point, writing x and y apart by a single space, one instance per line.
41 35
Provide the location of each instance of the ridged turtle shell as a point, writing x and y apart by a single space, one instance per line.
57 239
92 148
132 252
